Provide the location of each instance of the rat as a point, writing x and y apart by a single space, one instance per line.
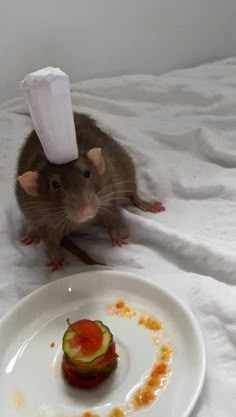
59 200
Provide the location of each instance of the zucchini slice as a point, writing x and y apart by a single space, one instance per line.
75 353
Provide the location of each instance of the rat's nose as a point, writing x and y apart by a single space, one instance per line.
80 213
86 211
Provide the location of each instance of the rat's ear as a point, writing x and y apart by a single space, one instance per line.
29 182
95 156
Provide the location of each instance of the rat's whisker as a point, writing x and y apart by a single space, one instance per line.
117 194
122 190
62 227
112 186
41 207
58 224
44 211
102 208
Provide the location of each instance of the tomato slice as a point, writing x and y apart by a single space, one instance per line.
88 336
108 356
75 379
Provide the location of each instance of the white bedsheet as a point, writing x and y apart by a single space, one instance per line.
181 131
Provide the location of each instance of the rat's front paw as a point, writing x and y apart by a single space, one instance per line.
30 238
152 207
119 237
57 265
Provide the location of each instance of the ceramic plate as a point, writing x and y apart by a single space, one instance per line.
31 379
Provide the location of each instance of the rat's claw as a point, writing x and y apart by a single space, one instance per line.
56 265
30 238
152 207
155 207
119 240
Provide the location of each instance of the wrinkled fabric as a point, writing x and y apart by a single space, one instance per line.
180 129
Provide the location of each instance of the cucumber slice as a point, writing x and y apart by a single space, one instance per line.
75 353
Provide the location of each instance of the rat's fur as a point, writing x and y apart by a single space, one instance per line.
114 188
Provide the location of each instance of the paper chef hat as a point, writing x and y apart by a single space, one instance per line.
47 94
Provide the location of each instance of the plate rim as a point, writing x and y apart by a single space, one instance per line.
188 312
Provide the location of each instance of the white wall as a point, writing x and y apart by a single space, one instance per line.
93 38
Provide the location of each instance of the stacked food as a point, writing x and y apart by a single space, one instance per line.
89 353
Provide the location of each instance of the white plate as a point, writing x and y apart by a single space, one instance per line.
30 372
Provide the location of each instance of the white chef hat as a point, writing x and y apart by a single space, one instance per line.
47 94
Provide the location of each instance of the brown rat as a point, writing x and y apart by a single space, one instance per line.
59 199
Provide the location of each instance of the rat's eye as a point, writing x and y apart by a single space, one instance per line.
55 184
86 173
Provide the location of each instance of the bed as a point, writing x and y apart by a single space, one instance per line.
180 128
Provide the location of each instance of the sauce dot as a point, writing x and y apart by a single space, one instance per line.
117 412
89 414
159 369
120 304
144 397
154 382
19 401
52 345
150 323
166 353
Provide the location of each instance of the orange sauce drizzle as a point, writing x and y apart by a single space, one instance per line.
120 304
144 396
121 309
18 400
150 323
166 353
117 412
147 393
